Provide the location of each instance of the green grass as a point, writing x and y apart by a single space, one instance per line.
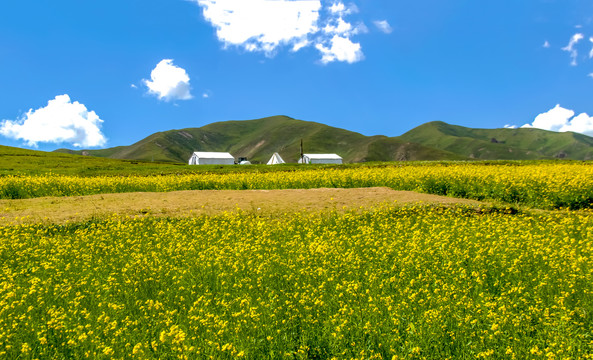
30 162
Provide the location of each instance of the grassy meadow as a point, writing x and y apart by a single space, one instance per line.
513 280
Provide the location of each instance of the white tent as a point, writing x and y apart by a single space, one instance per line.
321 159
211 158
275 159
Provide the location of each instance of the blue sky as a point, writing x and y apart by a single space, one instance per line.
94 74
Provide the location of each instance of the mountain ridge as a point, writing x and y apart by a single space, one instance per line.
502 143
258 139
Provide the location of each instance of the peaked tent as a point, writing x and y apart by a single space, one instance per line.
321 159
211 158
275 159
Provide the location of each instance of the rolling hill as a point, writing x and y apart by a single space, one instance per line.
502 144
259 139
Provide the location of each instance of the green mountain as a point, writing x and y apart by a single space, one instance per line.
502 144
258 139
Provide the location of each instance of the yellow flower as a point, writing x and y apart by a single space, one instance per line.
137 349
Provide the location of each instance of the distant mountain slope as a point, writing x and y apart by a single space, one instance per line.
259 139
15 160
503 144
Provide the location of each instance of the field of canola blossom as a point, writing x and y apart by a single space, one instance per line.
387 283
384 283
547 185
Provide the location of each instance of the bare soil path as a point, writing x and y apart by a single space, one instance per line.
207 202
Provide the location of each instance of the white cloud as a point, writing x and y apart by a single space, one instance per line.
337 8
571 47
169 82
301 44
552 120
267 25
561 119
340 9
341 49
60 121
546 44
261 25
508 126
384 26
591 51
340 27
582 123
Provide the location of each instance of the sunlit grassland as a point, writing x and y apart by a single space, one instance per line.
546 185
410 283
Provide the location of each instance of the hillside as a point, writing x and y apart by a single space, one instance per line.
502 144
17 161
259 139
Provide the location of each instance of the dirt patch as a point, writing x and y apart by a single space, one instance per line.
209 202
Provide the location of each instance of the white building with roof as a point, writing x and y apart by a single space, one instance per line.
211 158
320 159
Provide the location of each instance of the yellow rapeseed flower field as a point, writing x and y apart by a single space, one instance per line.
547 185
385 283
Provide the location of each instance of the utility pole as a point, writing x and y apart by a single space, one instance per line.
302 152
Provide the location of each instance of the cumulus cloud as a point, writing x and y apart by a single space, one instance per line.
61 121
384 26
268 25
338 27
261 25
546 44
561 119
571 47
168 82
300 44
337 8
341 9
341 49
